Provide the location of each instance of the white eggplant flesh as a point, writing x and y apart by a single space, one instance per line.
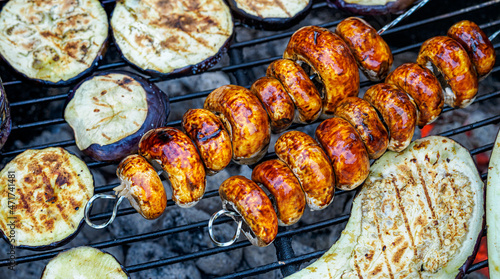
493 211
419 215
84 263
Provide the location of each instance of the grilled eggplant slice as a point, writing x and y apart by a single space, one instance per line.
53 42
270 14
172 37
372 7
419 215
5 120
50 188
493 211
84 262
111 111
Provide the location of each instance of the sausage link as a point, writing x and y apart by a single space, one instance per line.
245 119
301 89
371 52
459 81
210 137
398 112
280 181
346 151
328 56
242 195
311 166
370 128
276 101
142 186
177 155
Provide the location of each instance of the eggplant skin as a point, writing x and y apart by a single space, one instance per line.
84 262
52 188
380 7
420 214
253 19
79 29
172 51
5 119
158 109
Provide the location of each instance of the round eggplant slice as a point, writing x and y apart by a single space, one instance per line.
419 214
270 14
5 120
84 262
172 37
110 112
493 211
372 7
53 42
49 189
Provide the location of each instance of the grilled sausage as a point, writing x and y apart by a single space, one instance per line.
210 137
423 87
329 57
242 195
477 45
398 112
246 120
311 166
142 186
371 52
304 94
280 181
346 151
452 61
364 118
178 156
278 104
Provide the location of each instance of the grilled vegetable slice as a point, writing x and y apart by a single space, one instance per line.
110 112
270 14
418 215
493 211
372 7
51 188
84 262
5 120
172 37
53 42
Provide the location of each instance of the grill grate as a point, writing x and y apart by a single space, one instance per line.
405 39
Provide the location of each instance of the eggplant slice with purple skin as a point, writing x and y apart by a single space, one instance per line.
49 189
53 42
5 120
172 38
84 262
420 214
110 112
270 14
372 7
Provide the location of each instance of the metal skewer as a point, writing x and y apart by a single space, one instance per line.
403 16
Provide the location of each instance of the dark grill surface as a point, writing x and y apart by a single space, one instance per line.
36 110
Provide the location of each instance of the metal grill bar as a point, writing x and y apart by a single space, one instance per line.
233 69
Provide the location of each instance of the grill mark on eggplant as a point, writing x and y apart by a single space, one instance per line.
384 251
429 205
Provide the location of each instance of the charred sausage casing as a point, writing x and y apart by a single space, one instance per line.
346 151
280 181
210 137
244 118
142 186
242 195
178 157
307 160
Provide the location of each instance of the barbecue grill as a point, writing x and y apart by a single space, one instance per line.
37 123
